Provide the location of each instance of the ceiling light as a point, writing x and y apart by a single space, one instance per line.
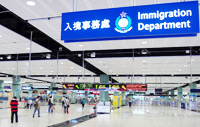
52 71
100 61
80 71
13 68
0 35
187 51
86 73
144 42
80 45
192 59
114 73
93 54
9 57
144 61
28 48
61 63
144 52
1 58
31 3
26 63
79 55
48 56
3 71
72 67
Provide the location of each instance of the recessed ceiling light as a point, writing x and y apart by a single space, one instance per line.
61 63
144 61
0 35
187 51
28 48
72 67
31 3
80 45
144 42
52 71
26 63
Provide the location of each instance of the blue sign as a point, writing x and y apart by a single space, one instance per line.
149 21
195 90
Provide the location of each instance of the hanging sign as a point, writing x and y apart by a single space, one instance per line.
149 21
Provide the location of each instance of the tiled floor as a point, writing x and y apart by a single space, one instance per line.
145 117
124 117
46 119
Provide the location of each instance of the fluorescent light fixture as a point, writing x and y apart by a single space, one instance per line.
187 51
93 54
31 3
144 42
9 57
144 61
48 56
80 45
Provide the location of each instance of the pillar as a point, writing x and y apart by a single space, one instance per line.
123 98
180 92
16 87
1 87
53 84
30 91
193 95
172 93
104 95
116 101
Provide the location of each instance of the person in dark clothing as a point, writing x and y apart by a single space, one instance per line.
14 109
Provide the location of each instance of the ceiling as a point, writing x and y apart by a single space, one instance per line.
46 17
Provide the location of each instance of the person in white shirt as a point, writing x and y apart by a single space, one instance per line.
66 104
30 102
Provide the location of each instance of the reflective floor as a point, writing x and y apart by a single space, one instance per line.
26 116
138 116
145 117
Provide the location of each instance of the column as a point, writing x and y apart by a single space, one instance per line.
123 98
180 92
193 95
104 95
30 91
53 84
172 93
16 87
1 87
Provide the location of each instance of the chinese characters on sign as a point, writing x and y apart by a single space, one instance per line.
94 24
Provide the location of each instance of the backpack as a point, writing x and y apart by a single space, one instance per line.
49 102
35 104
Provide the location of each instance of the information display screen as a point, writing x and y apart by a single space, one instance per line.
136 87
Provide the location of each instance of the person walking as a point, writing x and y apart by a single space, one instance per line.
66 105
63 98
83 103
50 103
14 109
30 103
129 102
37 106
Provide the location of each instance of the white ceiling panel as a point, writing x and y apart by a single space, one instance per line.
147 65
43 67
13 43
